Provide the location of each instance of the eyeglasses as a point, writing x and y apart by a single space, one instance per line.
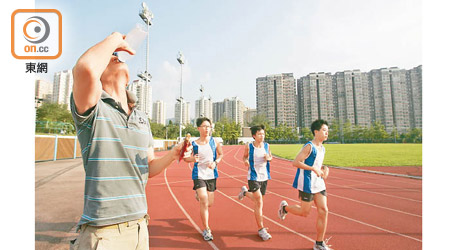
205 126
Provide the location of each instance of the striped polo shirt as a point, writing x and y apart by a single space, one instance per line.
306 180
259 169
114 150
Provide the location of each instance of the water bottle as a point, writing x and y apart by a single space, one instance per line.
134 38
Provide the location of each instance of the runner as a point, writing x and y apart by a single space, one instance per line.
257 156
309 180
207 153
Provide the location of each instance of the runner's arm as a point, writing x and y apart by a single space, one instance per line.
219 152
269 156
245 157
299 161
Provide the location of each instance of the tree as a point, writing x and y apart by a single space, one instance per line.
228 130
259 119
172 131
54 112
283 132
334 131
414 135
158 130
360 133
347 130
377 132
54 118
191 130
306 134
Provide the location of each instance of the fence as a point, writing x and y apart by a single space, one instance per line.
56 147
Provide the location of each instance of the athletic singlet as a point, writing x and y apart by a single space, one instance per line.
306 180
259 169
206 154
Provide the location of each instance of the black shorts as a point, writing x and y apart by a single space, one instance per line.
308 196
209 184
253 186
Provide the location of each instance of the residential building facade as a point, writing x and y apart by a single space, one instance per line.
62 87
276 98
159 112
143 92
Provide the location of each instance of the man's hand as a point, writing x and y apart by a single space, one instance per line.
175 151
123 45
188 152
325 171
318 172
267 157
193 158
246 163
212 165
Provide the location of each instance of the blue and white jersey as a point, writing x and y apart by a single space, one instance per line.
206 154
306 180
259 169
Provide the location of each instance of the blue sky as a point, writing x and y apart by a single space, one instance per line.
228 44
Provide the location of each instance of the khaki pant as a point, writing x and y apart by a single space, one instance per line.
128 235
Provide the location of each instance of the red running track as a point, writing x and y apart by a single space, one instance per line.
366 211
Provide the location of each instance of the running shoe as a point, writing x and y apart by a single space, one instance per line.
281 213
324 245
264 234
321 247
242 193
207 235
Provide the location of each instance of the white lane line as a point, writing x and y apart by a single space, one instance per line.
267 218
362 202
360 189
186 213
164 183
339 215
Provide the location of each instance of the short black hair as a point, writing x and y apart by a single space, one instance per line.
257 128
317 125
201 120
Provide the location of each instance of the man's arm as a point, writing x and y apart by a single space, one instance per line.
87 88
245 157
156 165
219 151
268 156
299 161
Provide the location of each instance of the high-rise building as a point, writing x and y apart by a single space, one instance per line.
43 92
276 98
62 87
143 92
186 112
218 111
315 94
233 109
352 97
390 98
414 85
204 108
159 112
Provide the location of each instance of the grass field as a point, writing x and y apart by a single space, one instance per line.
360 155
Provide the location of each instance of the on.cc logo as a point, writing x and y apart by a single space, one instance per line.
36 29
